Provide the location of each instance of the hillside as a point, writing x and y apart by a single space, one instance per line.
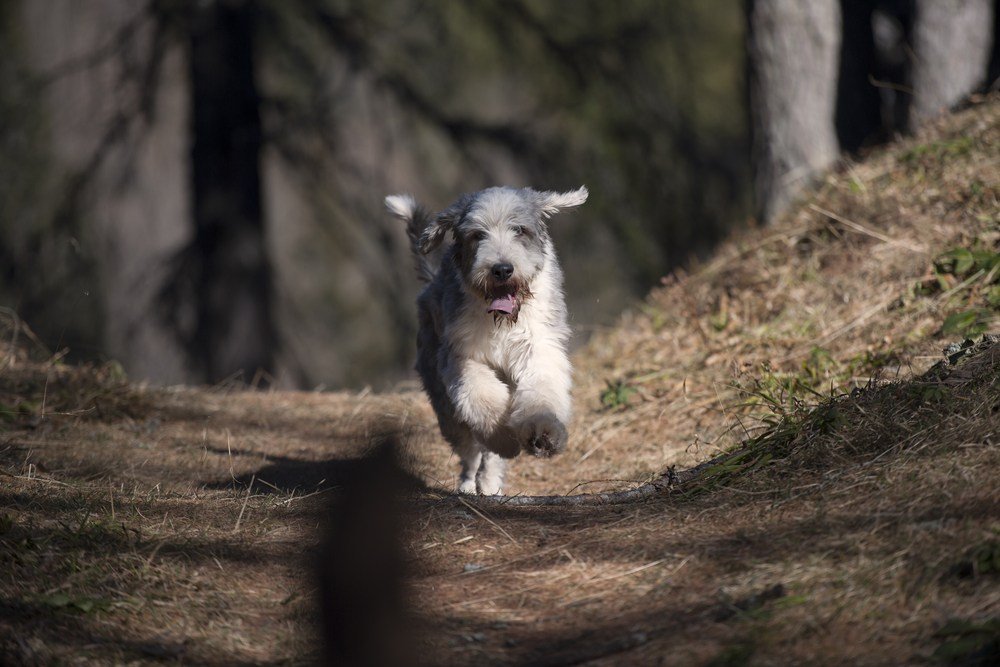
851 515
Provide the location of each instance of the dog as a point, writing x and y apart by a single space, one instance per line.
491 343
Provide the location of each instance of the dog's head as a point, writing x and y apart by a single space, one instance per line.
501 241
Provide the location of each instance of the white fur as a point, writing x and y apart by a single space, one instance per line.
561 200
497 386
401 206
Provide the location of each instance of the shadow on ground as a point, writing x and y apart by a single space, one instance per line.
284 474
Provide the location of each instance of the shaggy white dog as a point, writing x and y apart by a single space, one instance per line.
491 347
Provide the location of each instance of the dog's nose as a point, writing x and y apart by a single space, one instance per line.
503 271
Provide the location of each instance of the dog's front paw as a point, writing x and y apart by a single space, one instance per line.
467 486
542 435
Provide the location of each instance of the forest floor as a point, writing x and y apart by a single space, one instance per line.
851 516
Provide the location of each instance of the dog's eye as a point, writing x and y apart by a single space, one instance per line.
520 231
477 235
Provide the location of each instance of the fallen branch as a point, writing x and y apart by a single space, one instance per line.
665 482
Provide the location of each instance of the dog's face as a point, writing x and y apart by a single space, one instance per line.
501 242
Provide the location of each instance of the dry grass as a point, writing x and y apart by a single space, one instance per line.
811 298
855 511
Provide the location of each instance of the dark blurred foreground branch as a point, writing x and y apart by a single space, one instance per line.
366 614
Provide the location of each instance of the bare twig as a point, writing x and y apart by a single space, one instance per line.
861 229
488 520
246 500
122 39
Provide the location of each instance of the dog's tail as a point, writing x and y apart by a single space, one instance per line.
406 208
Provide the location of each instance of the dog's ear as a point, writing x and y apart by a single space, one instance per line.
552 202
444 221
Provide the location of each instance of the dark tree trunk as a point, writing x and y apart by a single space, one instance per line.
951 41
793 56
892 31
873 88
859 115
232 329
993 70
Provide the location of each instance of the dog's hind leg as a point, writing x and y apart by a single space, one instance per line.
482 470
491 474
472 456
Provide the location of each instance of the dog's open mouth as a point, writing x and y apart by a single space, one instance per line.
505 304
505 299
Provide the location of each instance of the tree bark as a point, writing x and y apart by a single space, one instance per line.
233 329
952 40
793 57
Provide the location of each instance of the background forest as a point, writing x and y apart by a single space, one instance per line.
194 189
139 138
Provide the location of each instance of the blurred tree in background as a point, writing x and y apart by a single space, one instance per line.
219 289
827 76
194 188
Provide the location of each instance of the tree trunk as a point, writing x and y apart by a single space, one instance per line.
859 106
952 40
233 329
993 69
793 57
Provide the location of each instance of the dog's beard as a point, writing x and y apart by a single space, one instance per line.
504 301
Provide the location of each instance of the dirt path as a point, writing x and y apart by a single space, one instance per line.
130 540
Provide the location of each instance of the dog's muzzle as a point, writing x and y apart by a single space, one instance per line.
505 294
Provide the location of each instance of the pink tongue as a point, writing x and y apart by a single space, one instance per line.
504 304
